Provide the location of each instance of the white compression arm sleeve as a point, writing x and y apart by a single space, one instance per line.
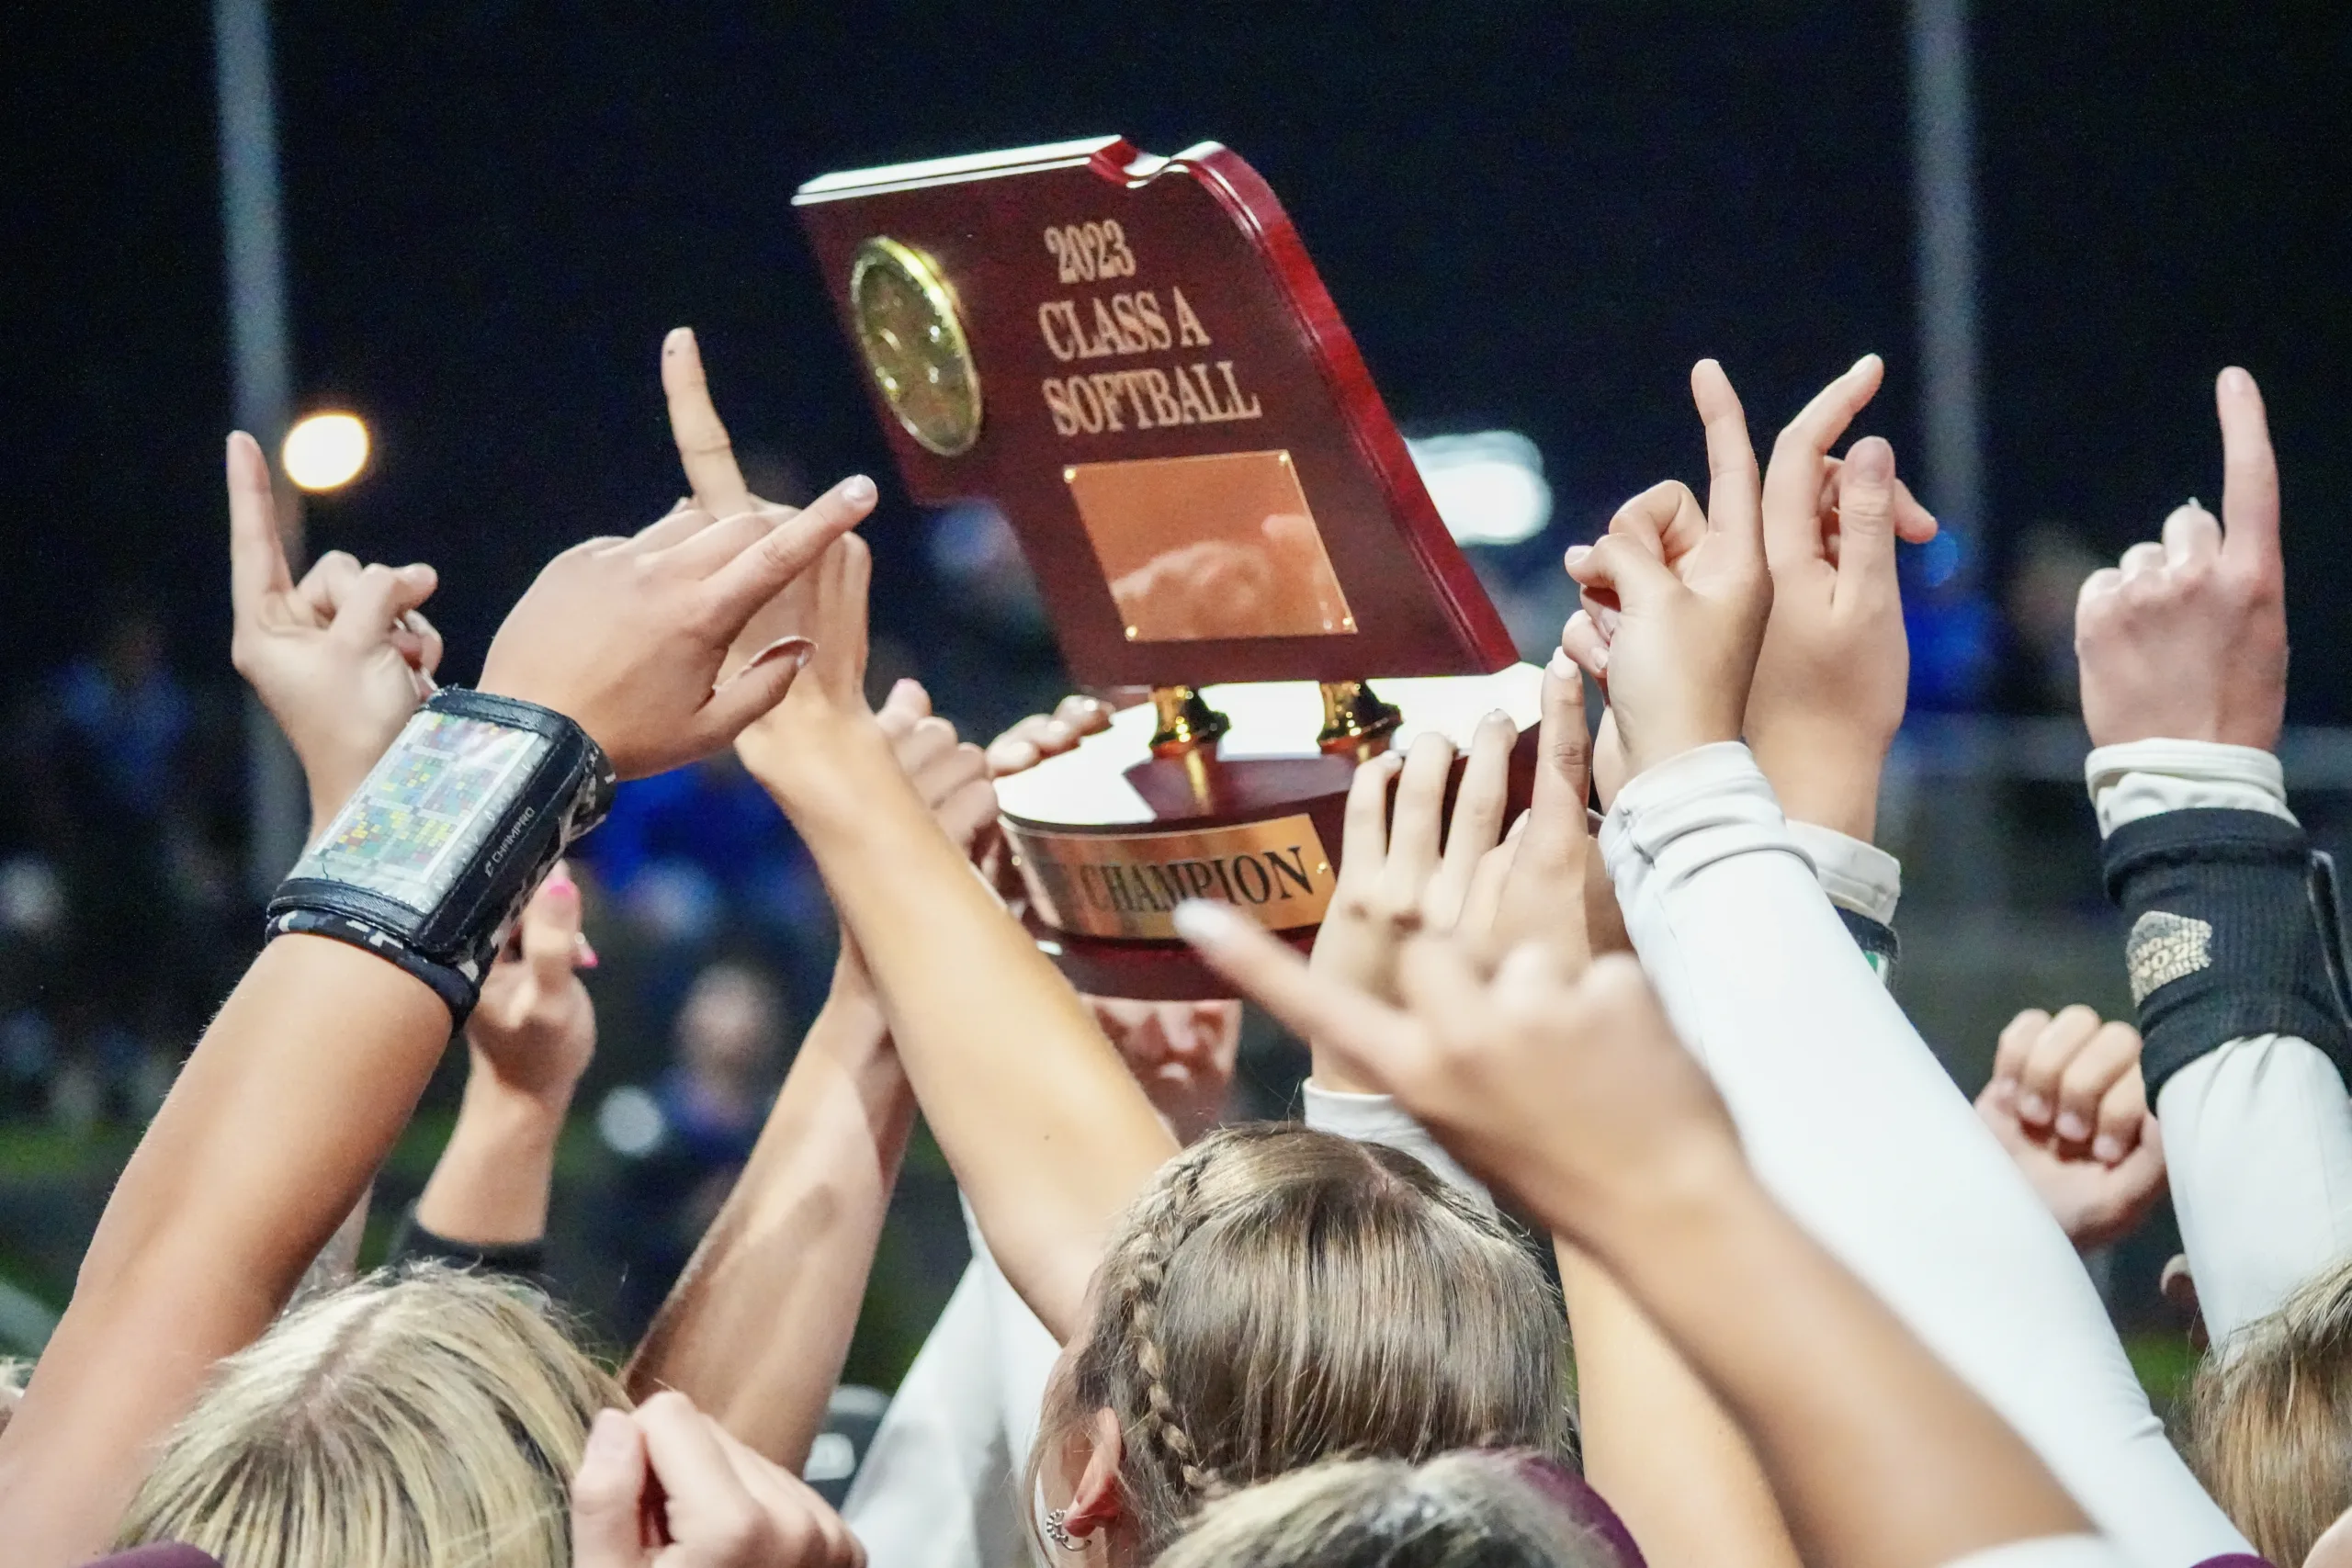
2258 1134
1855 1126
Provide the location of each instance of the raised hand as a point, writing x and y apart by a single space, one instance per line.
1415 872
952 775
2067 1102
1570 1092
1830 680
2187 639
790 740
1543 882
708 455
1040 736
342 658
1676 596
627 637
665 1486
535 1029
528 1041
704 450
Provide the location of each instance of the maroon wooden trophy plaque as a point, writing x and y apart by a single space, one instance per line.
1133 359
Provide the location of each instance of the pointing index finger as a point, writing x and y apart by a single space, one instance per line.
762 569
257 566
703 446
1735 493
1793 480
2249 473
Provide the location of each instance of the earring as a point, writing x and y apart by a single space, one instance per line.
1057 1532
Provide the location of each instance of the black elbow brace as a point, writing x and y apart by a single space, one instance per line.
2235 930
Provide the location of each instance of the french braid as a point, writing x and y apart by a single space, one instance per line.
1173 1214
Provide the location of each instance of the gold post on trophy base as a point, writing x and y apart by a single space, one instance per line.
1353 715
1186 720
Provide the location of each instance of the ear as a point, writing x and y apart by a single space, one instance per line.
1094 1501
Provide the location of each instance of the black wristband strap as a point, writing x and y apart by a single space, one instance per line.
412 1243
2231 933
434 856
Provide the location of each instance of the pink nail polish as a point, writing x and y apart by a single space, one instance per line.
2072 1127
2107 1150
586 958
2033 1108
560 881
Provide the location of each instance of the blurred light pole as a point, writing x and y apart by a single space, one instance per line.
261 377
1943 156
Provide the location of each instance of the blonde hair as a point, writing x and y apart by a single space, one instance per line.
1460 1510
13 1374
428 1419
1282 1296
2270 1419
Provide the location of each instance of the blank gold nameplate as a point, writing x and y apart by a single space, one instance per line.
1127 884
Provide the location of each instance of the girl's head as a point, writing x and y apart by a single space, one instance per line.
1460 1510
2270 1418
429 1418
1282 1296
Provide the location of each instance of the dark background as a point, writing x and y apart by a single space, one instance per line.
1533 216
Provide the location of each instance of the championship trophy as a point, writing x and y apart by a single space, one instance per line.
1133 359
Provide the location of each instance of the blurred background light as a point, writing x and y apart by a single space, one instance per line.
1489 485
325 451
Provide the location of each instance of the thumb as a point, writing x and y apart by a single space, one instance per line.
741 699
552 929
1866 503
1619 564
366 606
608 1497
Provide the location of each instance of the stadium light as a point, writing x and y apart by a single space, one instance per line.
325 451
1489 487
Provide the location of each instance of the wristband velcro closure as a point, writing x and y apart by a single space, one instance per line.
2232 931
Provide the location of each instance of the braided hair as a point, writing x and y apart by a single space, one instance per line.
1281 1295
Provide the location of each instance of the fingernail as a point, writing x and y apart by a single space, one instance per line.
1600 659
560 880
1560 666
1576 553
2106 1149
2004 1091
2031 1107
1205 921
794 651
584 956
2195 504
857 490
2072 1127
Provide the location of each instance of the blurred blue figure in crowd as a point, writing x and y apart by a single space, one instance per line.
682 1142
101 788
699 857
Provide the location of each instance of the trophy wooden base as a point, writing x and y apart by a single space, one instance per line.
1109 838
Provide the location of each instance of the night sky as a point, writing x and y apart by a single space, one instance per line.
1532 216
